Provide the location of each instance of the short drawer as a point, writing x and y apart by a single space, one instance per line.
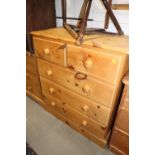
33 85
91 109
119 142
50 50
102 65
76 117
96 90
31 64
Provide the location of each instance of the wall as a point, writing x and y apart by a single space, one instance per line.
97 13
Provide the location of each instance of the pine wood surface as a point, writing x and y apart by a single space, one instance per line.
109 42
119 141
101 142
81 85
32 77
98 91
91 109
50 50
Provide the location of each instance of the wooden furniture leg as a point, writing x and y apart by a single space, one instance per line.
107 16
64 11
84 22
112 16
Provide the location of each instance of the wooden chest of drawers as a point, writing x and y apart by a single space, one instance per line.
33 87
81 84
119 141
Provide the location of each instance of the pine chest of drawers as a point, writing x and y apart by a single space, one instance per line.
81 84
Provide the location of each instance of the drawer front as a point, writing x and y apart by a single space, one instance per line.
122 118
93 89
75 126
82 121
50 50
100 65
120 142
33 85
91 109
122 121
31 64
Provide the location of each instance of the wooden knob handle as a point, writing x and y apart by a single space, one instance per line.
88 63
85 108
51 90
49 72
86 89
53 103
84 123
29 88
46 51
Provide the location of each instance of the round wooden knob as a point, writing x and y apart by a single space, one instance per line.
49 72
29 88
85 108
84 123
51 90
88 63
53 103
86 89
46 51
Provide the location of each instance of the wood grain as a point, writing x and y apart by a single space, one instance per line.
119 44
81 120
103 66
94 111
50 50
93 89
82 85
119 141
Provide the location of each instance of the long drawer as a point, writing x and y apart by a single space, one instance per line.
33 85
50 50
91 109
98 91
75 126
102 65
81 120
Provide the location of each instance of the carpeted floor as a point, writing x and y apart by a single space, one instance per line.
49 136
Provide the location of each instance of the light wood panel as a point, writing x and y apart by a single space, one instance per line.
31 64
81 120
33 85
89 87
120 6
50 50
119 44
91 109
99 141
120 143
104 66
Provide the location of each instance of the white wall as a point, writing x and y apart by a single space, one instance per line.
97 13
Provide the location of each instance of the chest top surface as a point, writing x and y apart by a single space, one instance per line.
105 41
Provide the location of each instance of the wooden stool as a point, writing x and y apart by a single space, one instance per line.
78 31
